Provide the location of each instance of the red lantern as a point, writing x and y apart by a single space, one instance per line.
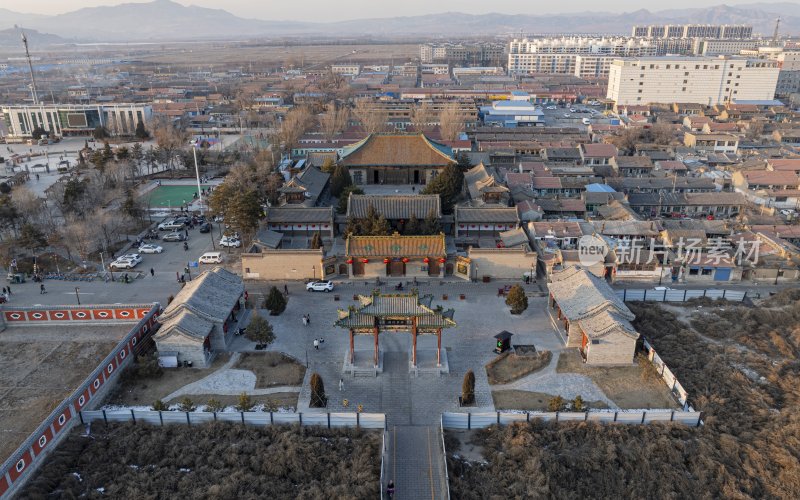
364 260
426 260
349 261
386 260
442 260
405 260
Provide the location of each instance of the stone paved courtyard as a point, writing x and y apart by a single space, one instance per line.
412 404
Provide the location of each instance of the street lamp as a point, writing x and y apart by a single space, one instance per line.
77 295
197 173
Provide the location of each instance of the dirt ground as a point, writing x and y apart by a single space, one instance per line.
512 367
275 401
272 369
146 391
625 385
530 401
38 369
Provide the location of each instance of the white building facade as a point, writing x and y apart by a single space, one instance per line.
702 80
75 119
561 55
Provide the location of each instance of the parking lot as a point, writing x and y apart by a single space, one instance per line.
144 287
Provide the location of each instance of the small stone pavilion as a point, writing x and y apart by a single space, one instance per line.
404 312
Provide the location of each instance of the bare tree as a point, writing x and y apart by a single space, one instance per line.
423 117
661 133
371 118
170 138
451 121
333 120
754 130
296 122
29 206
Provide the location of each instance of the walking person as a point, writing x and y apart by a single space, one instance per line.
285 289
41 289
316 344
4 290
304 321
152 272
9 289
341 384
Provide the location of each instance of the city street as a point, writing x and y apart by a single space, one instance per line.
145 289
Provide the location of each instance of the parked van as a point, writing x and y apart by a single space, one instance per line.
211 258
586 121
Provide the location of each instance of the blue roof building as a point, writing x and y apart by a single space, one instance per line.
515 113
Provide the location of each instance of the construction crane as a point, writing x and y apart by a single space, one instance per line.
775 33
30 67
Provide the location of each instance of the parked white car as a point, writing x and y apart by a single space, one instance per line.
126 262
210 258
319 286
170 226
151 248
230 241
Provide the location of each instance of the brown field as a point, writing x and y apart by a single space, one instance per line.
217 460
38 369
628 386
305 55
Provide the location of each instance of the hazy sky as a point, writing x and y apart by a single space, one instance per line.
334 10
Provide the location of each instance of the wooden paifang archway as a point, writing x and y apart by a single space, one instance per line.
395 312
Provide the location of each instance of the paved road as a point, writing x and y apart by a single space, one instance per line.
143 290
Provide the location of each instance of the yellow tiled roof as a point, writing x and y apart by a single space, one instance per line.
396 245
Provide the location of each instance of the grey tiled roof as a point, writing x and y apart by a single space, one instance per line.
395 305
394 206
186 322
300 215
581 294
486 215
210 296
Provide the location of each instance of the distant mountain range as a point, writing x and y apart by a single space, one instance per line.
166 20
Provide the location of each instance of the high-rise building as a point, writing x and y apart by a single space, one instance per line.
473 54
720 31
701 80
560 55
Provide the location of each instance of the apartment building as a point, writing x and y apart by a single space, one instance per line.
724 31
74 119
561 55
702 80
346 69
722 47
480 54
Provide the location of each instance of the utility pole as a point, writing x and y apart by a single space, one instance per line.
30 67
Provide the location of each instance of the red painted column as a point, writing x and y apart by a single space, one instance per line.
376 346
414 341
439 347
352 347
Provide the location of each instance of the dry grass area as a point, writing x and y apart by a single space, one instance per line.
748 447
271 402
138 391
272 369
530 401
38 369
218 460
509 366
636 386
222 53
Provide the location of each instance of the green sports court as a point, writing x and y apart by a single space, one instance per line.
171 196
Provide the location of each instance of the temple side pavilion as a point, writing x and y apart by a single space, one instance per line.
395 313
